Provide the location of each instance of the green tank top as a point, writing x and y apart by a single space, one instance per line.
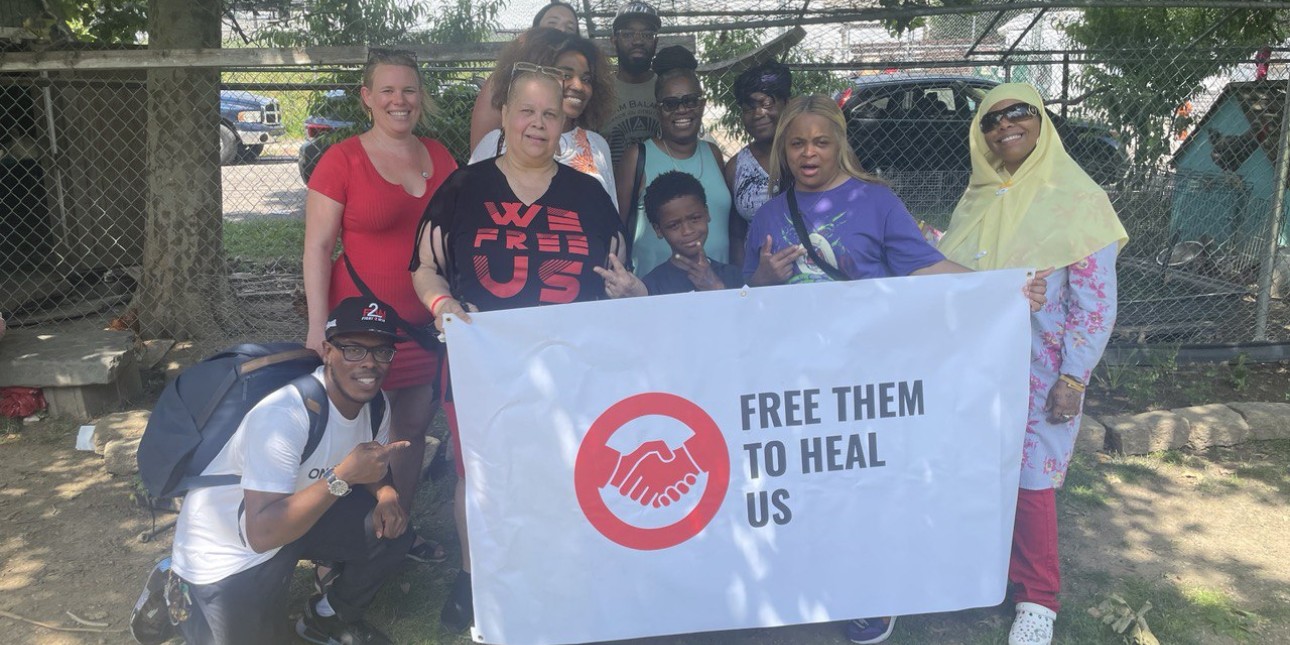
648 249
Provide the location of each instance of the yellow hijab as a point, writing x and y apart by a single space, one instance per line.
1049 214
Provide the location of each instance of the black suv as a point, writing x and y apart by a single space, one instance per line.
899 123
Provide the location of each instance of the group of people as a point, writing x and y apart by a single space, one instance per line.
589 182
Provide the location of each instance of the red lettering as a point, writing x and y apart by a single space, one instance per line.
485 235
548 242
578 245
559 280
510 214
515 240
519 277
559 219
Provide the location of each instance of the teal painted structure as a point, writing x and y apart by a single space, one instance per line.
1227 172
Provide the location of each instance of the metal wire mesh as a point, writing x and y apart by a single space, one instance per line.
93 192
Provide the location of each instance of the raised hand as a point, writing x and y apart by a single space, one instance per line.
775 268
368 462
1036 289
655 475
700 272
619 282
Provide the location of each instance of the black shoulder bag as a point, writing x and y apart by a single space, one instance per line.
427 337
794 214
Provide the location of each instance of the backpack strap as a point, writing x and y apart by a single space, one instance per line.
378 413
316 406
634 215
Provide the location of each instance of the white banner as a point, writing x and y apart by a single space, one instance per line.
742 458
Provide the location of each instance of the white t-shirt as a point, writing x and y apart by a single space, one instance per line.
265 450
580 149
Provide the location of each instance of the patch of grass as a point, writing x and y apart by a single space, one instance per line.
265 239
1219 485
1215 608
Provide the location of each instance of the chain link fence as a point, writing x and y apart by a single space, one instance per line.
123 182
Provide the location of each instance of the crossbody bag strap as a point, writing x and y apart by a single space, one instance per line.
633 215
794 214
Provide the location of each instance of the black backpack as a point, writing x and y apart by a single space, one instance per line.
201 409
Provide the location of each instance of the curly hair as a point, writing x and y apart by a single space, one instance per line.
544 46
601 105
669 186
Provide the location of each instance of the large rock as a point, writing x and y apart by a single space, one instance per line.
1139 434
1265 420
121 457
1092 435
119 425
1213 425
71 358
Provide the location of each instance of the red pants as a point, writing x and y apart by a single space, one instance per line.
1034 571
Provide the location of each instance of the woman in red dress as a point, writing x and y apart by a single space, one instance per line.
370 191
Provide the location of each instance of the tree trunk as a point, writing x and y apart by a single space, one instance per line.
184 291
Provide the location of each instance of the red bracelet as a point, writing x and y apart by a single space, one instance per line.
435 303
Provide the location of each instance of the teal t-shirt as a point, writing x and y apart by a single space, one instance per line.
648 249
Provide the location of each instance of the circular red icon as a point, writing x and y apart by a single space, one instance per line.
639 475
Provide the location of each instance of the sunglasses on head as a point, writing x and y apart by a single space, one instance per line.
531 68
674 103
1013 113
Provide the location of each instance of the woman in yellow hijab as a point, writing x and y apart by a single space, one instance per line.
1028 204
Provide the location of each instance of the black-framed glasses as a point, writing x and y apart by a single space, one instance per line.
752 105
356 353
637 35
674 103
1014 113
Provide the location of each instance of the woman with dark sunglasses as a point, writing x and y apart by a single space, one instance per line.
1028 204
677 147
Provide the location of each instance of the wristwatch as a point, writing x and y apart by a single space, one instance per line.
335 486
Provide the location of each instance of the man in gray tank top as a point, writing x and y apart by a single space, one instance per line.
635 38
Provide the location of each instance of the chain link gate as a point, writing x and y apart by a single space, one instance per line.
1191 162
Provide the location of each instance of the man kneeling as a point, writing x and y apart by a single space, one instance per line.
236 546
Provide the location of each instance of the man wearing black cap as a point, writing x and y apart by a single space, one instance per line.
236 546
635 38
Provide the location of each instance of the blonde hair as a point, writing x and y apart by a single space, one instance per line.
821 106
399 58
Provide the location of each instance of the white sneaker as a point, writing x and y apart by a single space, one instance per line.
1032 626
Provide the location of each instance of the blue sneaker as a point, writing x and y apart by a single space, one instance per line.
865 631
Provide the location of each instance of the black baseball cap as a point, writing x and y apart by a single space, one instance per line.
637 9
363 315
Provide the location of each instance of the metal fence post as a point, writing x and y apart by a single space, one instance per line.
1274 223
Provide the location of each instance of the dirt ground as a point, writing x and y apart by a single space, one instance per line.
1203 537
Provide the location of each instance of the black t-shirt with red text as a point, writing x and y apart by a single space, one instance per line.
503 254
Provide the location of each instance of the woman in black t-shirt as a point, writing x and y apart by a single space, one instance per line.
514 231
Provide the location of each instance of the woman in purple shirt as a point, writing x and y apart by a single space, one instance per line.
855 224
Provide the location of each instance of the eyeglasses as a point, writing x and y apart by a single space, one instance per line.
356 353
674 103
522 68
752 105
1015 113
632 35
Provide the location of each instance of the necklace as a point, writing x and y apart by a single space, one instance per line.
672 158
425 175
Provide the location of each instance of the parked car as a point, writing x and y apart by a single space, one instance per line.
335 116
901 123
247 122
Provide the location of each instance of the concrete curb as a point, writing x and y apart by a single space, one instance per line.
1197 427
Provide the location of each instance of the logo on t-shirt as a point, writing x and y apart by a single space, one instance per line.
511 242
